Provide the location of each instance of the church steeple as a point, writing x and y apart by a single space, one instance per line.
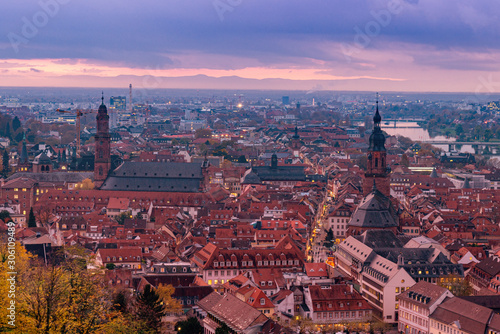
24 152
102 162
377 173
377 138
377 118
295 142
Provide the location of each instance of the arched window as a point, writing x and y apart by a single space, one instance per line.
43 169
100 154
101 171
376 162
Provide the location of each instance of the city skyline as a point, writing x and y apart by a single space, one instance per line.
394 45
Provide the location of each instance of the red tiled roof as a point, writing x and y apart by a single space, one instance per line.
316 269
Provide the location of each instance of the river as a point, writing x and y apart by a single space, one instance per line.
416 133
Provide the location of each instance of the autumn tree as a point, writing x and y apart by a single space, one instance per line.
86 184
22 264
169 303
43 293
62 298
457 285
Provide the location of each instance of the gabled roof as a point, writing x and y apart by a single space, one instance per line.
424 293
235 313
118 203
316 269
155 176
490 266
467 316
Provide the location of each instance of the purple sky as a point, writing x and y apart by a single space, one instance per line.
399 45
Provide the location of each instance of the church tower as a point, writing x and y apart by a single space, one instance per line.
295 143
377 172
102 162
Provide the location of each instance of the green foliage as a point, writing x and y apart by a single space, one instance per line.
189 326
329 238
31 219
150 308
5 164
110 266
120 219
120 302
16 123
223 329
7 131
19 137
5 215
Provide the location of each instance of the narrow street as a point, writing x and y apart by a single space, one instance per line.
316 252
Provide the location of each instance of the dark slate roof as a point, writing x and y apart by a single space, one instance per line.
374 211
158 170
434 173
42 159
252 178
491 266
422 262
155 176
429 270
55 177
280 173
376 239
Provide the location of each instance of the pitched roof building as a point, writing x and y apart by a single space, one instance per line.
235 313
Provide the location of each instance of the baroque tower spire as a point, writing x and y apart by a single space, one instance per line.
377 172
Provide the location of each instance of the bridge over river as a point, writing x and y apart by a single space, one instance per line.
478 146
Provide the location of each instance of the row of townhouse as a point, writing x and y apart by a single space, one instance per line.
430 309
